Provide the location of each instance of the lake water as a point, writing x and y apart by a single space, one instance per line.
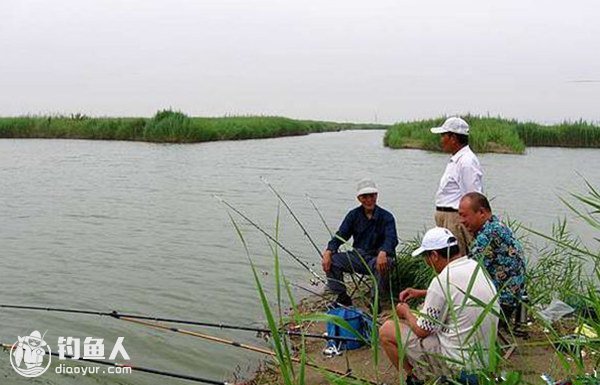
135 227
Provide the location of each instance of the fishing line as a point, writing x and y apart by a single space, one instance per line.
301 262
289 209
141 320
338 305
320 215
117 315
241 346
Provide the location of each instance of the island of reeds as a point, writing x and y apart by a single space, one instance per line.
496 135
166 126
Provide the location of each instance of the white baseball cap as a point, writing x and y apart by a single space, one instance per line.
436 239
366 186
453 124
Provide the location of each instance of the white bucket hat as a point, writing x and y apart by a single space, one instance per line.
436 239
366 186
453 124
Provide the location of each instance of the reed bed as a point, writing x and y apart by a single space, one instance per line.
490 134
167 127
566 134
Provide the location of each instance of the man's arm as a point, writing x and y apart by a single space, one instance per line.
482 251
411 293
390 240
344 232
433 314
407 315
470 176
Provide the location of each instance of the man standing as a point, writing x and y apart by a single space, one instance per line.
463 174
373 230
456 324
496 247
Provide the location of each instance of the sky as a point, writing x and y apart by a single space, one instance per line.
344 60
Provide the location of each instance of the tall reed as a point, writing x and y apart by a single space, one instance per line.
489 134
565 134
166 126
563 271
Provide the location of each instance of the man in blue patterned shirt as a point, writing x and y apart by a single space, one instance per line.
495 245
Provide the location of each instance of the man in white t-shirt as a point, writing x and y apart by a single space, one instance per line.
453 330
463 174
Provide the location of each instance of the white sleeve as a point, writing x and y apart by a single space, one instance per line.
435 308
469 178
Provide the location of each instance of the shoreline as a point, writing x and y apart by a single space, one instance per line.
167 127
496 135
488 135
531 357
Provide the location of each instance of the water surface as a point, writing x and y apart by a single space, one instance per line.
135 227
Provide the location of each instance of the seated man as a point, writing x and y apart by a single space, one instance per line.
373 230
495 246
453 329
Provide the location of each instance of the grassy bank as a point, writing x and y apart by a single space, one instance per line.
166 126
565 270
496 135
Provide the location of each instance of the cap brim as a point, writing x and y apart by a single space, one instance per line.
438 130
418 251
367 190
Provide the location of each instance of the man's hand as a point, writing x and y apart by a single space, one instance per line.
411 293
326 262
402 309
382 263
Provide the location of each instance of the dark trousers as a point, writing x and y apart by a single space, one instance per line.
506 321
351 262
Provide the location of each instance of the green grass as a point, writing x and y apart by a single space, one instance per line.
577 134
496 135
565 270
166 126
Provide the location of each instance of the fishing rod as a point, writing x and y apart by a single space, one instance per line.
298 220
400 241
137 368
240 345
117 315
563 342
289 209
339 304
301 262
317 294
320 215
331 234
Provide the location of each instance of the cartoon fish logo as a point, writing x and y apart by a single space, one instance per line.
28 353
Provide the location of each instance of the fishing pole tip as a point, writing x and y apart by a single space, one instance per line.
218 198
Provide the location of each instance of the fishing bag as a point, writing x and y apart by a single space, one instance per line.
357 320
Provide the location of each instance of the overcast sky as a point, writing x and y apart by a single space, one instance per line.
347 60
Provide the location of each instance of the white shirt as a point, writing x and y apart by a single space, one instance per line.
463 175
452 314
